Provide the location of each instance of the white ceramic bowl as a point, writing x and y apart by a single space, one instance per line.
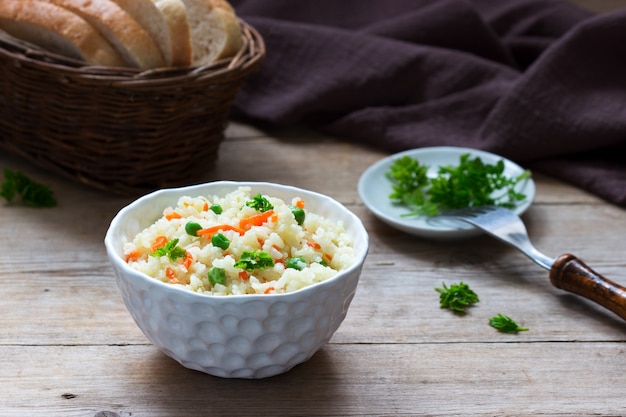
236 336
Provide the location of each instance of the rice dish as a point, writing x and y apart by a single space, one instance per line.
240 243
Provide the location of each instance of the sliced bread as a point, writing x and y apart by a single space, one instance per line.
126 35
57 30
175 15
215 30
152 21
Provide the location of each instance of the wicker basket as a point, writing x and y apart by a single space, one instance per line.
122 130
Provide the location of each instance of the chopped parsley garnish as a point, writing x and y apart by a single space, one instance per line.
260 203
456 297
171 250
409 179
255 259
459 296
32 193
471 183
505 324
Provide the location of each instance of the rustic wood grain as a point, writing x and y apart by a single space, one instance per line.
69 348
396 379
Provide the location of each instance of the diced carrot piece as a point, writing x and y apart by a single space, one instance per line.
244 275
300 204
210 231
173 215
257 219
314 245
188 260
169 272
159 242
269 290
133 256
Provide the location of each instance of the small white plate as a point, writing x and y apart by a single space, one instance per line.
374 189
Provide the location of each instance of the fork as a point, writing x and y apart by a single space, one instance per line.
567 272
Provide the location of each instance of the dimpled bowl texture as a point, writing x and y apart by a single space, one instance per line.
236 336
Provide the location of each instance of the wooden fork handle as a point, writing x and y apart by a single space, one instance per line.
571 274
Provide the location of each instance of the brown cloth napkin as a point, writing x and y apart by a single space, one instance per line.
541 82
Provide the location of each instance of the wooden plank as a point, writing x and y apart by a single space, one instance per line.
435 379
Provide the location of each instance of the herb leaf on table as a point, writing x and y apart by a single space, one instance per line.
456 297
32 193
505 324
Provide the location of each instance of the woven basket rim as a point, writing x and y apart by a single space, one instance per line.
251 52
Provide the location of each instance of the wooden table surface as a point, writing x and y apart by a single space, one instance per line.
68 346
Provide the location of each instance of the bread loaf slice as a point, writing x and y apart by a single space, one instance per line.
215 30
175 15
128 37
57 30
152 21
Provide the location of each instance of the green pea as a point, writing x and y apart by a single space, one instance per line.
220 241
216 208
192 228
298 214
217 276
297 263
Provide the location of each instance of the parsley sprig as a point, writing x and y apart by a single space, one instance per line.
470 183
409 179
256 259
171 250
459 296
505 324
32 193
456 297
260 203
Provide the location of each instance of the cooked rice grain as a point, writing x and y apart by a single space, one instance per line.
323 244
